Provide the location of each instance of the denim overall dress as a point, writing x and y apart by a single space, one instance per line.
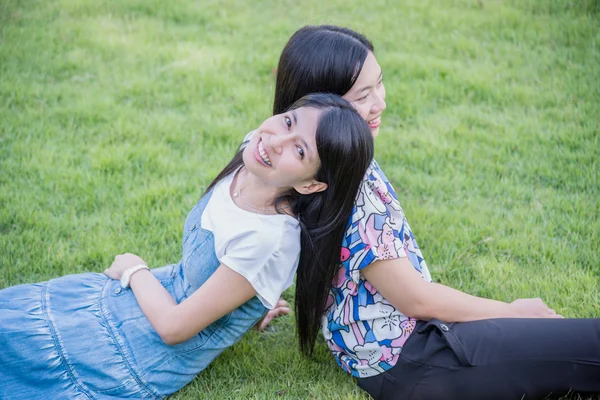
83 337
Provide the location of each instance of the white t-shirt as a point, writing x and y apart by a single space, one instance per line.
264 249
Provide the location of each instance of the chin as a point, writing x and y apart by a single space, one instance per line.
375 132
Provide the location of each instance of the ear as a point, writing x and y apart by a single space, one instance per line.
310 187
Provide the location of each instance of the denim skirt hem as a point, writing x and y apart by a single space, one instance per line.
55 343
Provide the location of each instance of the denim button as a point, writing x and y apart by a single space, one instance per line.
444 327
118 290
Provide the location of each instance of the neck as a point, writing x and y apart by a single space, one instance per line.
256 192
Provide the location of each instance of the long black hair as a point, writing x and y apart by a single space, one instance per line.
345 148
326 59
319 59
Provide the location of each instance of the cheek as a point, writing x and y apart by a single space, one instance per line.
363 110
382 92
268 124
289 167
312 170
295 171
247 153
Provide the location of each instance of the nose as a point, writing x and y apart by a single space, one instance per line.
379 104
276 142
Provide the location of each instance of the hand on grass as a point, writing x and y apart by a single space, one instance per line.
121 263
281 308
533 308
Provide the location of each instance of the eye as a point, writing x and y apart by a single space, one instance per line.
380 82
300 151
288 122
363 98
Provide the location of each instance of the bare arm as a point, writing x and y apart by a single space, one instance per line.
403 287
223 292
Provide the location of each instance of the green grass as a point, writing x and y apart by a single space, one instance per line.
115 115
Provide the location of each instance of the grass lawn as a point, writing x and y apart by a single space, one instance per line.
115 115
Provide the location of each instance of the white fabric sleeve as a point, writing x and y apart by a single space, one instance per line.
267 260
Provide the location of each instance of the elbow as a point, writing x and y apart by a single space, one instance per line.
166 336
420 308
420 311
170 339
169 334
172 334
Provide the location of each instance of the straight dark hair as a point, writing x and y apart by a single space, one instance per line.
326 59
319 59
345 148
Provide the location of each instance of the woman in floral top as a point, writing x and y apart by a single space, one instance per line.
382 317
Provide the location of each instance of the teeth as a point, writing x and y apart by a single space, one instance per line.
263 154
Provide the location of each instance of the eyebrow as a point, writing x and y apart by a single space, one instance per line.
304 143
369 87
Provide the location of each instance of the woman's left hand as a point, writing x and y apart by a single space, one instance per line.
121 263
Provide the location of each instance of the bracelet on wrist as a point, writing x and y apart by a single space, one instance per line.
126 277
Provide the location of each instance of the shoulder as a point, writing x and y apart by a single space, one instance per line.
279 233
373 232
268 236
376 194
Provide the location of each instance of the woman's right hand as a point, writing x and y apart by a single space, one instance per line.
281 308
533 308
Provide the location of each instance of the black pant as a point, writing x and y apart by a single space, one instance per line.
505 359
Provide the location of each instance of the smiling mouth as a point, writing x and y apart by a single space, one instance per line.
375 122
263 154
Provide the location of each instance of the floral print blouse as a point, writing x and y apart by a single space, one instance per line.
363 330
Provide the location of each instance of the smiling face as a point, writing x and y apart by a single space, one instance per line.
283 150
367 95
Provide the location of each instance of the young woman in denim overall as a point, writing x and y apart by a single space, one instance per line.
384 320
147 333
